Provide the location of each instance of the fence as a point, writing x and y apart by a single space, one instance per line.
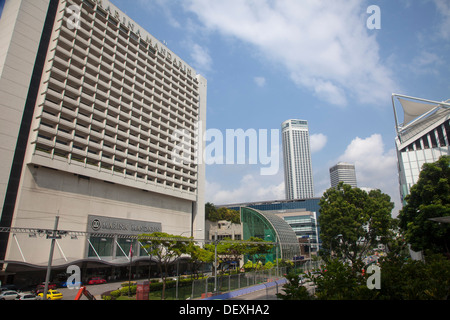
206 287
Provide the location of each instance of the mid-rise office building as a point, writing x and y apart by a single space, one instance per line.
89 105
343 172
423 133
298 175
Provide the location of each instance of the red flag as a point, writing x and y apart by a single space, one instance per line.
130 255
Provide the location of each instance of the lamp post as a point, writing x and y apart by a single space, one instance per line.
53 236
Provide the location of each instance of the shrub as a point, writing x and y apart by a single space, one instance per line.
115 293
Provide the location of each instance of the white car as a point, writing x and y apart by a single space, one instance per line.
27 296
8 295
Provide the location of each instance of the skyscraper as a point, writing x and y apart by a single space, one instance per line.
343 172
298 176
89 103
423 135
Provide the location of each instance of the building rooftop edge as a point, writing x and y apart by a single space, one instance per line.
244 204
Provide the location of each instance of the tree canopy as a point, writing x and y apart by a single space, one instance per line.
214 214
428 198
231 250
165 248
353 221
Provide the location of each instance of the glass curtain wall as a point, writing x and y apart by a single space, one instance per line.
270 227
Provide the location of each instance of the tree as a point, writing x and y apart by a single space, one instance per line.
166 248
232 250
340 281
258 248
405 279
211 212
215 214
352 221
429 198
294 289
199 256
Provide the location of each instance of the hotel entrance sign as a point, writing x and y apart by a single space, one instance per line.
100 224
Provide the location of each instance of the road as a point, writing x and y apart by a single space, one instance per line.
265 294
95 290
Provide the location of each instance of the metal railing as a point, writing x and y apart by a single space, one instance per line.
207 287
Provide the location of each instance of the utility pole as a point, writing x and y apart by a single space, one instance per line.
53 236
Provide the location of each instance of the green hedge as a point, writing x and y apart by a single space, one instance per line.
154 286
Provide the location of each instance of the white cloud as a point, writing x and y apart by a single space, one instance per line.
250 188
325 46
443 7
201 59
375 166
260 81
160 5
318 142
426 63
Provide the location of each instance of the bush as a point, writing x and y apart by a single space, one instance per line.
406 279
124 290
126 284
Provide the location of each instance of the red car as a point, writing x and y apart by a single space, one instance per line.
40 287
96 280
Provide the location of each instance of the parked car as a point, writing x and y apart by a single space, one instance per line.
27 296
8 287
40 287
96 280
8 295
76 284
52 295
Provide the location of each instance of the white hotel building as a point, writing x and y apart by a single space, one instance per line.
87 117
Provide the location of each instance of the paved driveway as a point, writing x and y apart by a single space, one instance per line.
95 290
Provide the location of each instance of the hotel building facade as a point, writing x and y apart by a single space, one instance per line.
298 175
90 102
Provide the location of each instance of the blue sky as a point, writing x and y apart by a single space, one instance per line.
267 61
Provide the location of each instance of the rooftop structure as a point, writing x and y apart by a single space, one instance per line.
423 135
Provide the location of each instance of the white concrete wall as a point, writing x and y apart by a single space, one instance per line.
21 26
46 193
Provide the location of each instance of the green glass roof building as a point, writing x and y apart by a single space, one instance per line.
269 227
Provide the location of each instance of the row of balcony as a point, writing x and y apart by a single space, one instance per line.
102 83
136 110
122 49
143 146
151 173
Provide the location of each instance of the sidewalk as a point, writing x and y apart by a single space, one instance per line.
248 290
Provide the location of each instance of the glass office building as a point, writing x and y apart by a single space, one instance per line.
343 172
301 214
270 227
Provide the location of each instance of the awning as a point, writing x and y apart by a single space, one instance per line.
413 109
